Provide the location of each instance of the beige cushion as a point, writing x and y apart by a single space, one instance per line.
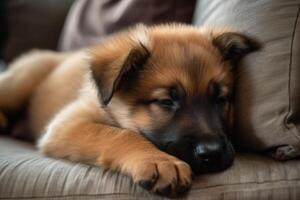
267 102
26 174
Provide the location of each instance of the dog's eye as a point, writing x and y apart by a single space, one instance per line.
167 103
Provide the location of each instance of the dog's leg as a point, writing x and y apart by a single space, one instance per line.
21 78
77 134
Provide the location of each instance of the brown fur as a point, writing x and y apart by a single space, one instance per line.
62 92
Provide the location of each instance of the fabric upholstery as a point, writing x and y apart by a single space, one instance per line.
26 174
267 106
91 20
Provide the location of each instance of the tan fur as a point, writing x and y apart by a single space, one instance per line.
18 84
70 122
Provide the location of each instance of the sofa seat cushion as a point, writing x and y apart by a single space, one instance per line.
27 174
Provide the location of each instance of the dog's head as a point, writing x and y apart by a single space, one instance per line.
173 84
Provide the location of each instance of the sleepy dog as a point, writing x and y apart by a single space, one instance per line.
153 103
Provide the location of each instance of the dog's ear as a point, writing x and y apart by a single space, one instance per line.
119 58
233 46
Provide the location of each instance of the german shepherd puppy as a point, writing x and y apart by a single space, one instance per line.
152 102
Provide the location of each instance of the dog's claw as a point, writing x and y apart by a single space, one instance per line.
181 190
146 184
166 191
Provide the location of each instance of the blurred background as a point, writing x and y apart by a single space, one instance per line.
72 24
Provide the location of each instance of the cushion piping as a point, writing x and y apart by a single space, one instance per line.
286 124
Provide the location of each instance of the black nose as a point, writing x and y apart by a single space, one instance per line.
207 153
208 150
211 153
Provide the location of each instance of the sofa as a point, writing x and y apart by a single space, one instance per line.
267 116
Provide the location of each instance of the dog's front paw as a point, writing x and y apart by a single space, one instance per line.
166 175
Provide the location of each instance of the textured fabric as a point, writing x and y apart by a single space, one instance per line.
26 174
91 20
267 102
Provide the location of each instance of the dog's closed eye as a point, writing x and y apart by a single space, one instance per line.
166 103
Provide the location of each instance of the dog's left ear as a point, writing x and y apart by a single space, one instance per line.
116 62
233 46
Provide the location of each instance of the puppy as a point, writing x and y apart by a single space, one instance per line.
153 103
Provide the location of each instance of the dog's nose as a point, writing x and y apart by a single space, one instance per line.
211 153
208 151
205 153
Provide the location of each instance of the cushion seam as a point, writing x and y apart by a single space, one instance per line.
250 182
290 73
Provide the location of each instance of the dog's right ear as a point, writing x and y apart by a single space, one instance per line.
233 46
122 56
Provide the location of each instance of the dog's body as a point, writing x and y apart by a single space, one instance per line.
124 103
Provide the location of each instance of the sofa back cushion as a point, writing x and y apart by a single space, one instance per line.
89 21
267 102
